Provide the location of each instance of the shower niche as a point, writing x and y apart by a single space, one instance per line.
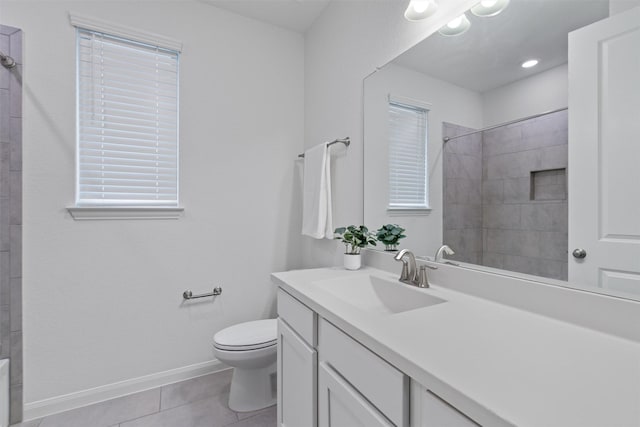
505 195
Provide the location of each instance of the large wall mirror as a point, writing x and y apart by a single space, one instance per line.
497 190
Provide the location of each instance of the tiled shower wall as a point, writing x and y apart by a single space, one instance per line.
524 224
523 198
462 207
11 214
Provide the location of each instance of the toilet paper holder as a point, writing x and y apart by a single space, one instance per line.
189 295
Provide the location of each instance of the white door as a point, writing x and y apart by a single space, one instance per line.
297 364
340 405
604 155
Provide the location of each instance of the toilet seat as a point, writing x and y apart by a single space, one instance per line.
247 336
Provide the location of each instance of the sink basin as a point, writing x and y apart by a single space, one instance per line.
376 294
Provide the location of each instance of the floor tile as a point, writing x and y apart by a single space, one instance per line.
195 389
32 423
203 413
243 415
107 413
266 418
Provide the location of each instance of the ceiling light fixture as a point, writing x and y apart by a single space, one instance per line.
456 27
530 63
487 8
420 9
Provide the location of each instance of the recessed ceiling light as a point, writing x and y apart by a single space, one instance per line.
420 9
530 63
456 26
488 8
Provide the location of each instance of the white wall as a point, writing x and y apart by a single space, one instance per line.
447 103
347 43
545 91
103 299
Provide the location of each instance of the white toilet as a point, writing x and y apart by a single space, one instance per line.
250 348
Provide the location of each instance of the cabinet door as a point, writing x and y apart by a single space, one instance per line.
429 410
339 405
297 367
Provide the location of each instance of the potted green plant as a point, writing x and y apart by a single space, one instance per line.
390 235
354 239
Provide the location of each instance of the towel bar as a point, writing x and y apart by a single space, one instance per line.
346 141
189 295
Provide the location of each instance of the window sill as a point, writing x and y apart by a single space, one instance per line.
104 213
408 212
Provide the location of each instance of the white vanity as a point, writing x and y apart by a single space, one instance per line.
362 349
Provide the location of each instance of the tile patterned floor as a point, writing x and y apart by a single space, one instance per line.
199 402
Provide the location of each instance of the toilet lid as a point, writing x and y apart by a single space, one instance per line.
247 335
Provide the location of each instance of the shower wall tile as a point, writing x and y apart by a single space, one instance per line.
5 331
15 92
463 216
545 216
468 238
5 227
5 109
4 43
15 298
493 191
554 245
5 281
463 191
462 166
15 129
4 78
15 47
15 195
15 408
15 259
501 216
16 358
517 190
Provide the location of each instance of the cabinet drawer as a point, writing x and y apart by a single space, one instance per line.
298 316
380 383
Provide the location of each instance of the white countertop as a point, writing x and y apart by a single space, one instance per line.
496 363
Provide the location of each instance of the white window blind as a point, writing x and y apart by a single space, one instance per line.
407 157
127 122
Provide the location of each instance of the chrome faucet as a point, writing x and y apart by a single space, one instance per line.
444 249
410 274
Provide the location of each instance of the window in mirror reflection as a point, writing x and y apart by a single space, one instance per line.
407 157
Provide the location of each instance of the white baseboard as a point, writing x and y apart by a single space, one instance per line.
54 405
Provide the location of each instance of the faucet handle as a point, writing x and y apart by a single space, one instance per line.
423 281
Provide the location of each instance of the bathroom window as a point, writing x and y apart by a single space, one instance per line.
407 157
127 123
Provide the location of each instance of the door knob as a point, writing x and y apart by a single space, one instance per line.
579 253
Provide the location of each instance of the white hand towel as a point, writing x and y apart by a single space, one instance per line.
316 204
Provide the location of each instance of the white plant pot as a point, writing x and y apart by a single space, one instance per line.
352 261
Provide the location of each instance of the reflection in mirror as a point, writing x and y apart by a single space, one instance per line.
497 194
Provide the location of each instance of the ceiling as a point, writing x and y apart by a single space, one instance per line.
295 15
490 53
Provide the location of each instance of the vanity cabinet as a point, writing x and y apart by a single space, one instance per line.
328 379
429 410
340 405
297 363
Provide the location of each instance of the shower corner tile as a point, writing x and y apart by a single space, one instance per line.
16 404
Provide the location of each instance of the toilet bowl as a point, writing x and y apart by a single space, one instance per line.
250 348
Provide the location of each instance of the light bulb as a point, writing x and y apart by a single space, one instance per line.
530 63
488 3
456 26
486 8
420 9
